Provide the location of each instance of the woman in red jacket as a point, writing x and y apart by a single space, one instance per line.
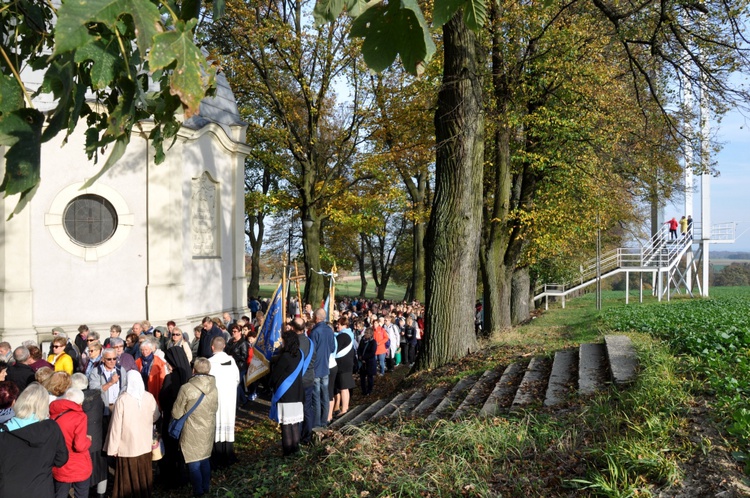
381 338
68 414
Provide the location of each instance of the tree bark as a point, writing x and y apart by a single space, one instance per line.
417 285
418 192
314 284
362 266
453 233
520 296
256 243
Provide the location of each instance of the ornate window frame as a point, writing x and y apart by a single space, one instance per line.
54 221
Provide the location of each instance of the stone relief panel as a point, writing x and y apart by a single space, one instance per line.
204 216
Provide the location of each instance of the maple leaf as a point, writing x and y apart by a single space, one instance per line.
191 73
397 28
74 17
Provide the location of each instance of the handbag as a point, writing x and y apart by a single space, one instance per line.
157 448
176 425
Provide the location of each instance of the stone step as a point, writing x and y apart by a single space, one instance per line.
368 412
543 379
532 385
345 418
478 394
591 368
623 360
562 379
505 389
448 403
391 406
427 404
408 406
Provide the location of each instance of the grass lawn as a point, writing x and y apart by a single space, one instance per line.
345 287
663 436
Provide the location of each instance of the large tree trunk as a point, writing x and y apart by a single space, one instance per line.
418 192
254 288
520 296
453 233
362 267
408 294
418 276
256 243
314 282
498 187
492 290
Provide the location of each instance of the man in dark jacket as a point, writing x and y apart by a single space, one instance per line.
81 337
210 330
325 345
21 372
308 380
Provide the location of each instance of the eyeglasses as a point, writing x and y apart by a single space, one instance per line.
176 335
90 340
56 346
109 359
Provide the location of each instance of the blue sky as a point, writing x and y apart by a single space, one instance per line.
730 191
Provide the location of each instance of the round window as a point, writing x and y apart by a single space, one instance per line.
90 220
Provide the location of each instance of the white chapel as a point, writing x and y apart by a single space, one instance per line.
146 241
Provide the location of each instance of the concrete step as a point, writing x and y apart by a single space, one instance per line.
502 395
591 368
623 360
345 418
408 406
427 404
391 406
543 379
452 399
562 380
479 393
368 412
533 385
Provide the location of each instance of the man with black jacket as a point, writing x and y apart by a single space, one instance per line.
20 372
210 331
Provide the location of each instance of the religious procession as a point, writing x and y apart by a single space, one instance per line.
152 408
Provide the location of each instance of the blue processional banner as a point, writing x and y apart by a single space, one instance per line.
269 337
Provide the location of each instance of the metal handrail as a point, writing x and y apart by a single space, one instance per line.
657 252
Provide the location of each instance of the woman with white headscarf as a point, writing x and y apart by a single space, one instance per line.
130 437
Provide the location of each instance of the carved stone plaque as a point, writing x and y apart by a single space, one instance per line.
204 216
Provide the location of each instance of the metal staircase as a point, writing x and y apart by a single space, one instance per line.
672 264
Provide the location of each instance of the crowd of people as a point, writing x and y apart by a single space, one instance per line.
94 405
313 372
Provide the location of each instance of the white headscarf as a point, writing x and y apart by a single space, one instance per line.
135 386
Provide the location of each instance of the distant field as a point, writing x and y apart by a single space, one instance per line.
347 287
720 263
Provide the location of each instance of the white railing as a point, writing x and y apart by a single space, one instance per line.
659 252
